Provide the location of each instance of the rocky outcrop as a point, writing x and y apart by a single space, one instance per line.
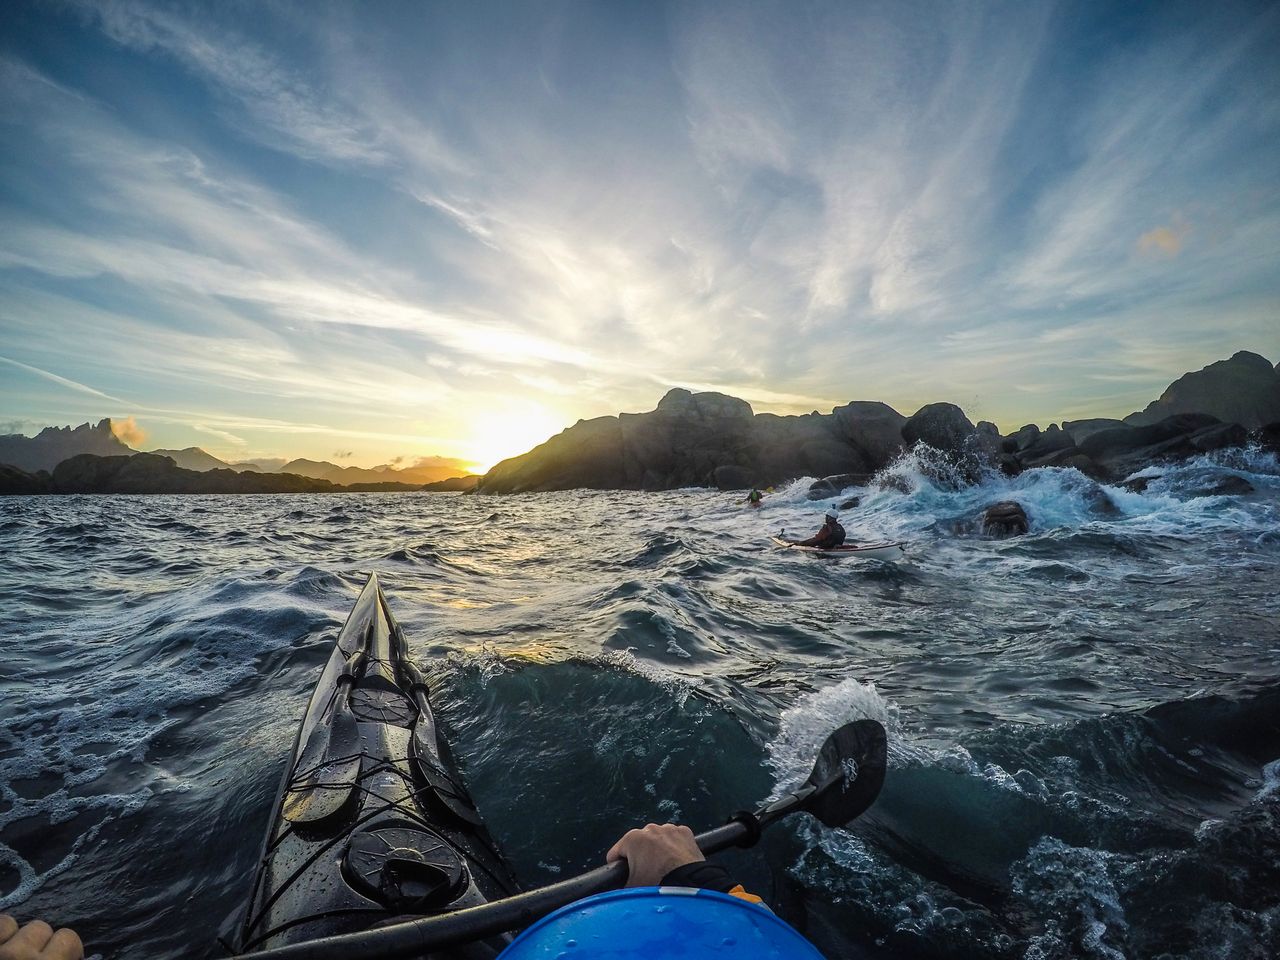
942 426
702 439
453 484
1080 430
17 482
1244 389
874 428
1005 519
52 445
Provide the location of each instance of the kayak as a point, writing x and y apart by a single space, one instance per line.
887 550
372 821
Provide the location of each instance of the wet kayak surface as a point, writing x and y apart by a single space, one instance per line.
1084 721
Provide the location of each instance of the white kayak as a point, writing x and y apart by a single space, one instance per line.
884 550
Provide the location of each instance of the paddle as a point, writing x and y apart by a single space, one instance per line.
326 773
845 781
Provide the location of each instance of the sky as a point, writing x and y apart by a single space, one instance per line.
368 231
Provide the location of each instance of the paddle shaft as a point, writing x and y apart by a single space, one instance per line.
416 937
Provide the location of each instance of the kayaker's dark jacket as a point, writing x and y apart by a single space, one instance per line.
831 535
708 876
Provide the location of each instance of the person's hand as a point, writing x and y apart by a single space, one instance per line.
37 941
654 852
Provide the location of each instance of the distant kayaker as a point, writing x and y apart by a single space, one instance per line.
830 536
754 497
37 940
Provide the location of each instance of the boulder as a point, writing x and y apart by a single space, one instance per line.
1137 484
1244 389
874 428
1022 439
942 426
1081 429
1005 519
1232 485
1124 450
832 486
1268 437
851 503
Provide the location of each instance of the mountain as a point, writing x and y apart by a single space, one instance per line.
52 445
419 473
194 458
1244 389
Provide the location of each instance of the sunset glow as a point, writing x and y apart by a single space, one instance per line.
336 229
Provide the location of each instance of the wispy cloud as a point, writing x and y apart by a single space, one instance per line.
316 213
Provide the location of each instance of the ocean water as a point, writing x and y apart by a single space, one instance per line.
1084 721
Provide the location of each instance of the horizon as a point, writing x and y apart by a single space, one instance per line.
363 234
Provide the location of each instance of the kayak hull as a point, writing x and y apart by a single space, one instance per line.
886 551
372 821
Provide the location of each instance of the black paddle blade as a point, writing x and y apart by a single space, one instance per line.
849 773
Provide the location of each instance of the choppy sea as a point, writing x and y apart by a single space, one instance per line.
1084 721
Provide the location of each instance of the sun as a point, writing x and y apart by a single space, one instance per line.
498 435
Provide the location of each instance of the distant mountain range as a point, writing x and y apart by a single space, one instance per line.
52 445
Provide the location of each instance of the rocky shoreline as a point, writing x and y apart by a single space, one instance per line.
147 473
713 440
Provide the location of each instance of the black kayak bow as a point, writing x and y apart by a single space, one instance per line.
845 781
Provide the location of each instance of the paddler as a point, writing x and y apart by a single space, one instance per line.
830 536
679 908
754 497
666 855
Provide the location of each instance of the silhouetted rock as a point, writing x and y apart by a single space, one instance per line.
690 439
834 485
52 445
1080 430
1137 484
1244 389
1005 519
873 427
1232 485
1268 437
16 482
942 426
147 473
1126 449
464 484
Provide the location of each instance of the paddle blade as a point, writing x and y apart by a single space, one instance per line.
325 777
849 773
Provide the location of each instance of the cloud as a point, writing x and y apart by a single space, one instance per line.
343 454
128 431
286 109
1165 241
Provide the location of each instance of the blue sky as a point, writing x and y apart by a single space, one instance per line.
409 229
